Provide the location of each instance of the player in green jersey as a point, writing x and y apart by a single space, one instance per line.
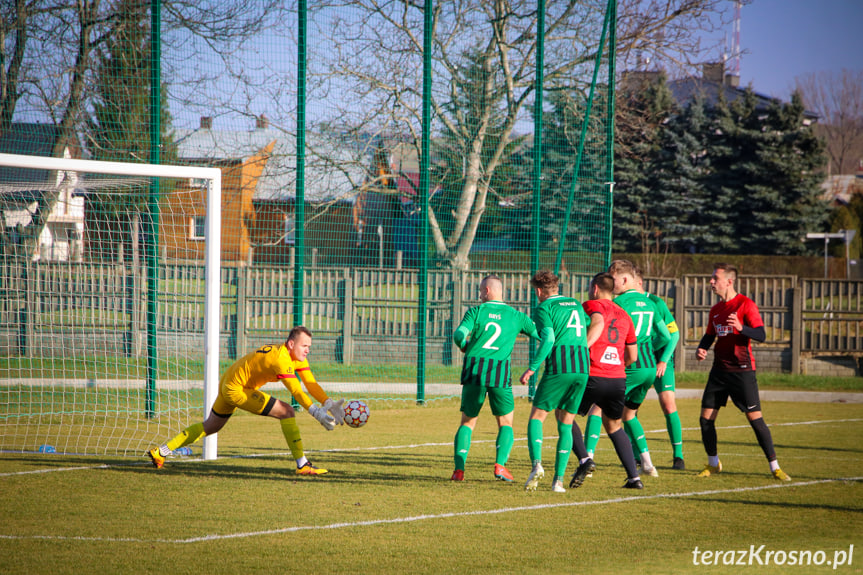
665 382
562 326
649 328
486 335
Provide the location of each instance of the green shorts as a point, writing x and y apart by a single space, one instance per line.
560 391
667 381
499 399
638 382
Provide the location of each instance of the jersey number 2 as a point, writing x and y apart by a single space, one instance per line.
494 336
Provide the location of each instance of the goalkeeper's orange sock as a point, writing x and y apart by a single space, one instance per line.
186 437
291 431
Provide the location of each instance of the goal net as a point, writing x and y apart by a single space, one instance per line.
109 303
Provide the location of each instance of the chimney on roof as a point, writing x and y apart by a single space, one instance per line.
732 80
262 122
206 122
713 72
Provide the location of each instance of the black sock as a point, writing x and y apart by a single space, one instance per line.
624 451
765 440
578 442
708 435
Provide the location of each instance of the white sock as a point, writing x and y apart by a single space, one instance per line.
713 460
645 460
302 461
589 455
583 460
774 465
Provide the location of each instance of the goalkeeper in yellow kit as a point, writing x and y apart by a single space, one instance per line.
240 387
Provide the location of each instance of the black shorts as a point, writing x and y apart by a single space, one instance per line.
741 386
607 393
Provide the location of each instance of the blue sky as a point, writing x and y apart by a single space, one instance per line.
783 39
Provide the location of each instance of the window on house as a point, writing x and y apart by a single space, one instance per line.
290 227
198 228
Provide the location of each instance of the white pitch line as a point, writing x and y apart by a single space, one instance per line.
396 447
104 466
783 424
415 518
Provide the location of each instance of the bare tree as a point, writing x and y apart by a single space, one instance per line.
48 54
838 99
374 60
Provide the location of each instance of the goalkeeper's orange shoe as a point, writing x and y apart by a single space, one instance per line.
309 469
156 457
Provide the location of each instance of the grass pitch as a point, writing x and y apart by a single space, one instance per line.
387 505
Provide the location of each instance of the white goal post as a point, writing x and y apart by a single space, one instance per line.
212 311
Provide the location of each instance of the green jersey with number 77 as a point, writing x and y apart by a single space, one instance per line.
649 326
487 335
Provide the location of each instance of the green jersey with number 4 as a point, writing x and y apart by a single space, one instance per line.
650 328
487 334
562 326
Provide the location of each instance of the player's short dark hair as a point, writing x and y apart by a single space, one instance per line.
545 280
604 281
295 333
727 268
622 267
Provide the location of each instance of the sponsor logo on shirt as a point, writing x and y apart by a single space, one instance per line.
723 330
494 316
610 356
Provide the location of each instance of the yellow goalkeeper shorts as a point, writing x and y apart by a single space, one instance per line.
233 396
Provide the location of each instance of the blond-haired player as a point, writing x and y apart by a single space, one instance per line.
240 387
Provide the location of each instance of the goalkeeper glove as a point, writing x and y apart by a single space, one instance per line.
323 417
336 408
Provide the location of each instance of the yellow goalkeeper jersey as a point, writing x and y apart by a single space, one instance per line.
274 363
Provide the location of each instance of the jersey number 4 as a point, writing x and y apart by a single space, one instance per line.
575 322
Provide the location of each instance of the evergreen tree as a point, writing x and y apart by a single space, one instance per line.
562 127
119 126
764 185
676 178
640 219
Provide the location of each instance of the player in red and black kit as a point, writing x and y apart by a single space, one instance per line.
735 321
613 346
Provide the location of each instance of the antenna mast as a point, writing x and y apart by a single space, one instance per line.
734 65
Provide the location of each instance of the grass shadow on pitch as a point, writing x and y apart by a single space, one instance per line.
785 505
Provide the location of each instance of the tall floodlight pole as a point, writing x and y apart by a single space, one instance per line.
424 206
152 215
537 170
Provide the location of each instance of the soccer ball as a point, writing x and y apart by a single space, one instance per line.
356 413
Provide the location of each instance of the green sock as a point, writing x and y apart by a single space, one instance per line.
189 435
534 441
505 439
591 433
636 434
291 431
564 446
462 445
675 433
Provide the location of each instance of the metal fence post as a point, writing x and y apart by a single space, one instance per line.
796 328
455 313
680 318
347 312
